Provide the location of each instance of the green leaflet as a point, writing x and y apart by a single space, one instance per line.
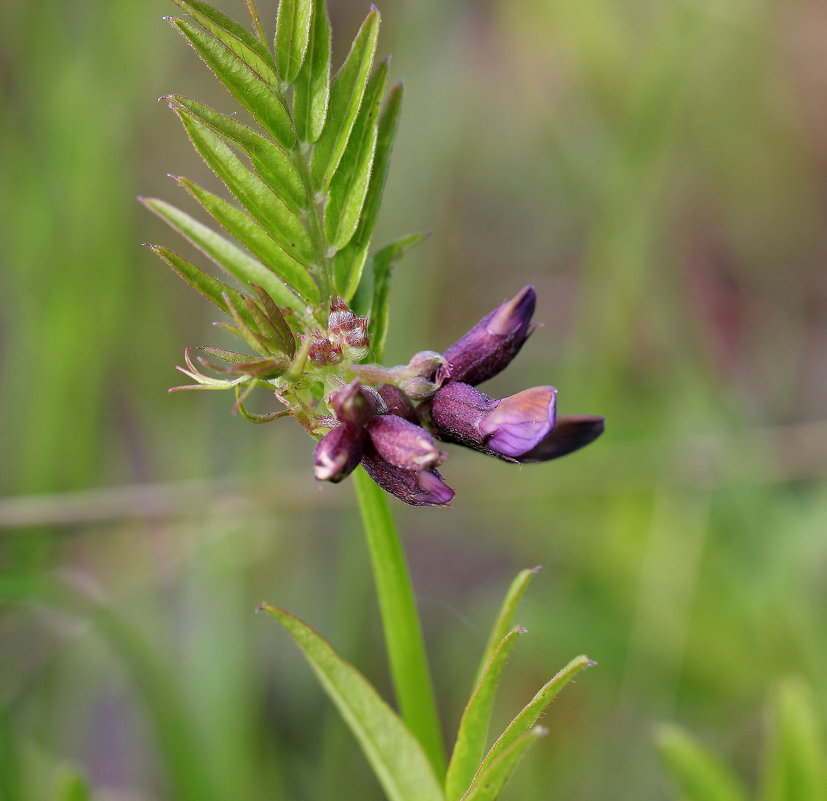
249 88
530 714
383 264
346 93
212 289
271 162
469 747
253 194
221 251
493 775
795 765
506 617
350 182
259 242
292 35
699 775
396 757
350 261
234 37
312 89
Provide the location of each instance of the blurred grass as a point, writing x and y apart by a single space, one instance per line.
656 170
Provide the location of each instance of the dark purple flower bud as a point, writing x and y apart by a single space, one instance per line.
338 452
414 487
492 343
404 444
354 404
570 433
397 402
504 428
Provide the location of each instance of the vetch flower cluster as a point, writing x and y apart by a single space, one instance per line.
396 439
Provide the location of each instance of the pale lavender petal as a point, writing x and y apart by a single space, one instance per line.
520 422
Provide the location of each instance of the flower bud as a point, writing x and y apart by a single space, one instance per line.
492 343
404 444
338 453
354 404
324 352
506 428
570 433
414 487
397 402
348 330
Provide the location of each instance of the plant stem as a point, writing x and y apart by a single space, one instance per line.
400 621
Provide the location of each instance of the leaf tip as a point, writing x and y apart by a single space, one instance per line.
535 570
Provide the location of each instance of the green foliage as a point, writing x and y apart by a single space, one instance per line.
397 757
307 177
794 766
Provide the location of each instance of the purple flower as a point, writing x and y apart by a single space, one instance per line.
414 487
492 343
506 428
570 433
403 444
338 453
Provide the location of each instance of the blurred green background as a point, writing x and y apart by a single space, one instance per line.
656 169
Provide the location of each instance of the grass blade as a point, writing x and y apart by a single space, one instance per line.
224 253
493 775
346 93
238 40
253 194
350 183
312 89
383 264
247 86
350 261
699 774
270 161
795 766
394 753
530 714
469 747
292 36
259 242
505 619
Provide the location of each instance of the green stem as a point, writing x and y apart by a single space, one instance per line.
400 621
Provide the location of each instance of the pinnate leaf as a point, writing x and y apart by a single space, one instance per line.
349 262
346 92
530 714
395 755
249 88
505 619
795 766
211 288
493 775
699 774
271 162
249 189
350 183
312 89
223 252
292 35
260 244
237 39
469 747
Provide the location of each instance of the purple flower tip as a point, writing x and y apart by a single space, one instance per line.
570 433
338 452
414 487
492 343
520 422
404 444
514 316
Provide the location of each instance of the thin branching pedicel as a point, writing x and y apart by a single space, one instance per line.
310 300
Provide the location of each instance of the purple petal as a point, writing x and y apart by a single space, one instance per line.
520 422
417 488
397 402
354 404
457 410
404 444
338 452
493 342
570 433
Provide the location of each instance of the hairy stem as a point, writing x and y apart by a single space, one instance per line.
400 621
